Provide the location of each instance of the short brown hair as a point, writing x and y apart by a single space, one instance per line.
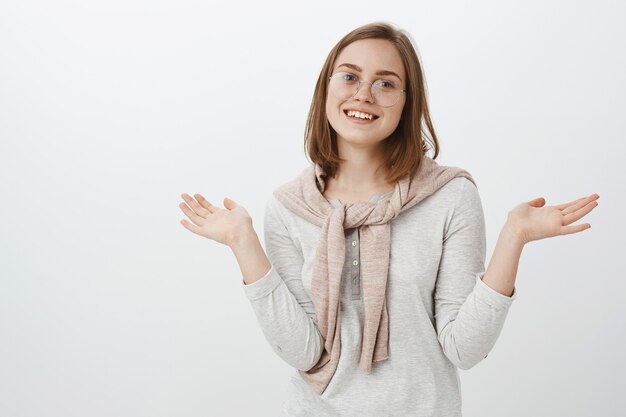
404 148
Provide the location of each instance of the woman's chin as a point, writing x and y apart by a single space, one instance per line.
360 139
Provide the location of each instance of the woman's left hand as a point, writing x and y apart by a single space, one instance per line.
532 221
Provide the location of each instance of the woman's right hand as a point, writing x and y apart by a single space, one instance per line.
221 225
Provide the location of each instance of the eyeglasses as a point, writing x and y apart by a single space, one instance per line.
344 85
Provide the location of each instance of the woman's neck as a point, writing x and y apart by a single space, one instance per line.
351 184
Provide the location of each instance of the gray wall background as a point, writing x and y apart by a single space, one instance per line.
110 110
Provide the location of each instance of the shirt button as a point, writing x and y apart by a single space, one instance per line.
355 262
354 243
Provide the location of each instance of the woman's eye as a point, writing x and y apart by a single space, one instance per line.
346 77
385 84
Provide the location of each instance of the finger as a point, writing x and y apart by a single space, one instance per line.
581 212
195 206
567 230
229 203
582 202
206 204
565 205
537 202
190 226
191 214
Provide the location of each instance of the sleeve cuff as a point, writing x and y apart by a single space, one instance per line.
491 296
263 286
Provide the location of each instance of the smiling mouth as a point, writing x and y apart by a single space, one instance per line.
374 117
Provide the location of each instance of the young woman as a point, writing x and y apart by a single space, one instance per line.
374 287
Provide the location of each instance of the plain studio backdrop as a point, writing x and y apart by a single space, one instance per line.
109 111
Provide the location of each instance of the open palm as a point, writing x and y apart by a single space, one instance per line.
221 225
533 221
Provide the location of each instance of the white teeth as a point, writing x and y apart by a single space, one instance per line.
360 115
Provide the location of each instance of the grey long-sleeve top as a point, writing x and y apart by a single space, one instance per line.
442 316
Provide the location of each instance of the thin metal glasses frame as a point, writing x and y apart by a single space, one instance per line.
371 86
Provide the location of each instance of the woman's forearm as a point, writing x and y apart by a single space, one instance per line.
253 261
502 270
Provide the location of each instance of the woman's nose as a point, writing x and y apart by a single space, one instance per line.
364 92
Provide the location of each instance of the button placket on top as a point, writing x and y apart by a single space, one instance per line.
352 250
353 257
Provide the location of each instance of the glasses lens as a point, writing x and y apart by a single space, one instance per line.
344 85
385 93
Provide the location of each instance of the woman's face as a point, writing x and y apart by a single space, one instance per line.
363 59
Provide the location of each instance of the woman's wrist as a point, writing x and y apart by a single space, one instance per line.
242 237
251 257
513 232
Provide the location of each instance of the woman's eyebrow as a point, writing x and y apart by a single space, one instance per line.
381 72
